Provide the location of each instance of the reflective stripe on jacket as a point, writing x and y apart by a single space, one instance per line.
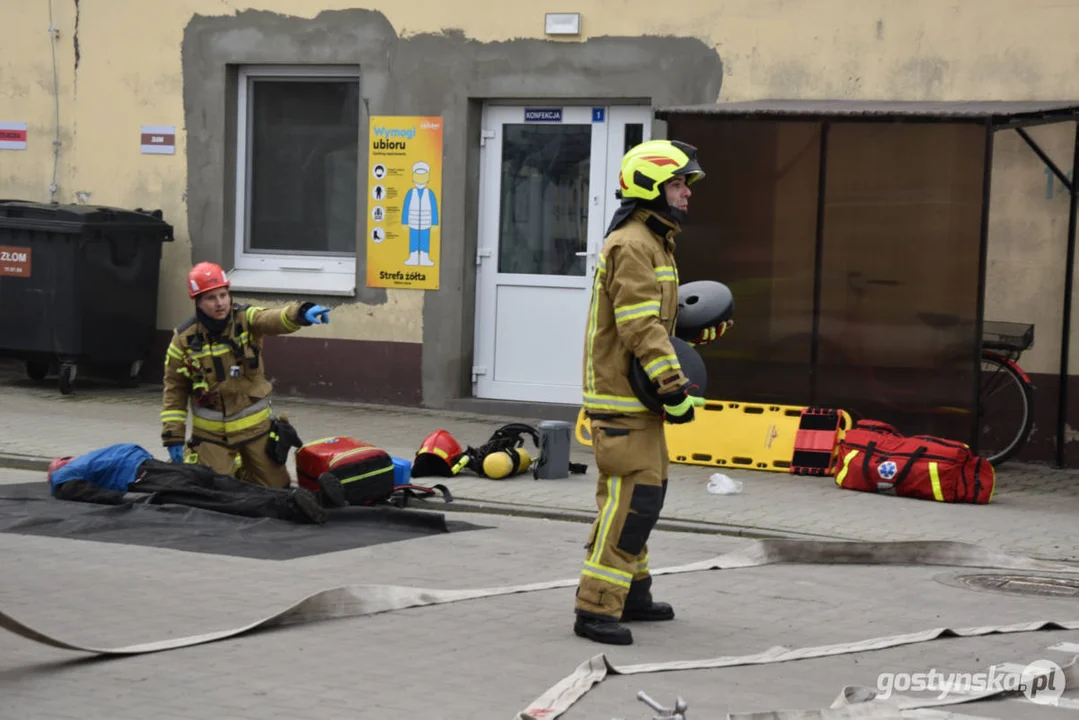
211 422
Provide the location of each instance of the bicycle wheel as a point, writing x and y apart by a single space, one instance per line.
1005 410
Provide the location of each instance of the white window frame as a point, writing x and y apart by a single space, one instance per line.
283 273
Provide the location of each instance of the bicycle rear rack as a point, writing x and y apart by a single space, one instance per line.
1008 337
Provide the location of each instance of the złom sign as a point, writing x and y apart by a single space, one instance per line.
14 256
15 261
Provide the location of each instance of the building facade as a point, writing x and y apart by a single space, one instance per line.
251 126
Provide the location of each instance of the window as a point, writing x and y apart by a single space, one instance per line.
297 168
634 136
544 204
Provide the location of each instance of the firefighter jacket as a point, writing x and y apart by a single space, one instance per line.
632 315
222 377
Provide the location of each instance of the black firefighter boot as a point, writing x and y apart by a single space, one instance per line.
640 606
601 629
302 505
332 494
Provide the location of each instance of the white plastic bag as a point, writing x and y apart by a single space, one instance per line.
720 484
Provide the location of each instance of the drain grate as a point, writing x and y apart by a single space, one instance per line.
1041 585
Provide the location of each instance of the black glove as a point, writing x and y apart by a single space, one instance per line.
678 406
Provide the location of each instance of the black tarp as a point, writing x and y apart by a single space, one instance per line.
28 509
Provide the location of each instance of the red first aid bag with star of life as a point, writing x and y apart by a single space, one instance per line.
872 457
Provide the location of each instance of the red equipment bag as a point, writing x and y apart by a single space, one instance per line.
364 471
872 456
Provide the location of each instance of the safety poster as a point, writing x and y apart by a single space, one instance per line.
404 202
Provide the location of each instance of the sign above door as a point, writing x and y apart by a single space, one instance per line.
543 115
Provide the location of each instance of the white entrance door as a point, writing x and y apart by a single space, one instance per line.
547 182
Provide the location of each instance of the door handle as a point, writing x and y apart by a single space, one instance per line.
584 254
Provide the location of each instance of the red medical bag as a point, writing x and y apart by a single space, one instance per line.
872 456
364 471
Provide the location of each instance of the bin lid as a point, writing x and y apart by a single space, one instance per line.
54 217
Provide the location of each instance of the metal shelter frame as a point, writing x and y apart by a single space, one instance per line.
994 116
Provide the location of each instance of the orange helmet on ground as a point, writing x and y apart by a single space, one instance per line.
204 277
56 464
437 455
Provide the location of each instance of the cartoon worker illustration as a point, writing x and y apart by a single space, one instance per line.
420 214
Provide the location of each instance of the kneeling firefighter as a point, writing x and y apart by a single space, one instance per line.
214 361
631 318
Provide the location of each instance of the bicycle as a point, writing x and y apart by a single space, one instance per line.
1002 346
1005 400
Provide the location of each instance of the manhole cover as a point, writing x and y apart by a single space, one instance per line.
1044 585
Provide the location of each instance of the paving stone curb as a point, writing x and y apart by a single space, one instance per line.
12 461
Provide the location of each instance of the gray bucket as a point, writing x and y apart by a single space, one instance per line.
554 445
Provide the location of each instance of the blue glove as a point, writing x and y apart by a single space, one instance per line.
317 315
176 452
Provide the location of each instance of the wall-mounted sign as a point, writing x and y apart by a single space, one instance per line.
543 115
15 261
158 140
404 198
12 136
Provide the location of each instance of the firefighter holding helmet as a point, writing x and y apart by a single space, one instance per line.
214 362
632 316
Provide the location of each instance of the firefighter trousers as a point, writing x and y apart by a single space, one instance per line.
258 467
631 456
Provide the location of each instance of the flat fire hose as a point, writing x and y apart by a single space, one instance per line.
574 686
362 600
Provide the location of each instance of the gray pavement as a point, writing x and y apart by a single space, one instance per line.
489 658
485 658
1032 512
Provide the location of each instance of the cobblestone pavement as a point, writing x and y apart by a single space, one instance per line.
486 658
1032 512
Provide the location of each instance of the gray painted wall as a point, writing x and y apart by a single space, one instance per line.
447 75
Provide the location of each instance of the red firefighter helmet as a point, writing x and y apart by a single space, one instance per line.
204 277
56 464
437 455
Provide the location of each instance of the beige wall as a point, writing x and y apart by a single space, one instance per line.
1028 242
919 49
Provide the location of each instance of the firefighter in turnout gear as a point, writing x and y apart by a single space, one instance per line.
632 316
214 362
